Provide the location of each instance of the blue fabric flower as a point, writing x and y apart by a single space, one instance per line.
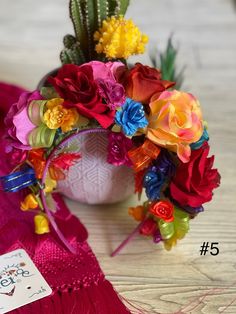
131 117
153 183
204 138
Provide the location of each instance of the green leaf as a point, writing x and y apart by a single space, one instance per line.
167 65
123 6
48 93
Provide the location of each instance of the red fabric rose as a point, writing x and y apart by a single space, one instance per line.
194 181
149 227
142 82
163 210
76 85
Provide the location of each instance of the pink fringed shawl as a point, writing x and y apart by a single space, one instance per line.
79 286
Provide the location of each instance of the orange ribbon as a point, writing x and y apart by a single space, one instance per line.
37 159
142 156
56 173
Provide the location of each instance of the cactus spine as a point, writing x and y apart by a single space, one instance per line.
87 16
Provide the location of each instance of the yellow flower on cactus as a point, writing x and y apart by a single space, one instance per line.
57 116
119 38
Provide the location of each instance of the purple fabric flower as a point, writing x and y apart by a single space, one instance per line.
193 210
118 147
164 164
157 236
112 92
17 122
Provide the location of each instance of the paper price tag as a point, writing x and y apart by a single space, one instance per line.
20 281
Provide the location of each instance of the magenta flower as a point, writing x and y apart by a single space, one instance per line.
118 147
112 92
17 122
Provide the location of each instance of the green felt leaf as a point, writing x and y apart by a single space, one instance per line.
48 93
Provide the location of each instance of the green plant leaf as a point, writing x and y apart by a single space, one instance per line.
167 64
123 6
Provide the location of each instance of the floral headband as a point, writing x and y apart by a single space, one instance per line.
151 127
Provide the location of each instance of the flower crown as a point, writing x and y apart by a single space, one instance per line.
155 129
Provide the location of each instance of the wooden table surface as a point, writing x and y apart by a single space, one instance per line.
180 281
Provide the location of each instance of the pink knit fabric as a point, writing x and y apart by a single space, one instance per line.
79 286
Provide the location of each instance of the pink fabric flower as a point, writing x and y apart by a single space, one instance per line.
17 121
118 148
106 75
106 71
112 92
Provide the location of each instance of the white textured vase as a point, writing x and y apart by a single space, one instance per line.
92 180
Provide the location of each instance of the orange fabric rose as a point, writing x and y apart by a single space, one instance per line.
142 82
163 210
175 122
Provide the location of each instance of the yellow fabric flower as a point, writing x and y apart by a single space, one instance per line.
30 202
57 116
41 224
119 38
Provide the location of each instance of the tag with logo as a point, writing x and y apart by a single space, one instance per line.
20 281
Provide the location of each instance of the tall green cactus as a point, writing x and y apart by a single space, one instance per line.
87 16
77 17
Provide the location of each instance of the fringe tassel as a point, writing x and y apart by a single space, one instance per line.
96 299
